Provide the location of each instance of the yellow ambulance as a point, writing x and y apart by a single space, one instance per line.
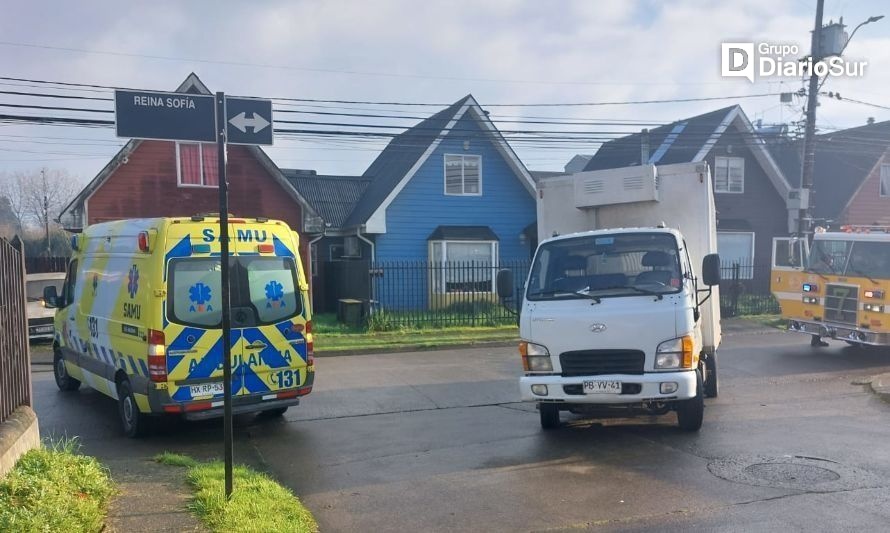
139 318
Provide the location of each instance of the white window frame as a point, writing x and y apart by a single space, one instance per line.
728 160
884 181
179 182
443 266
745 273
462 178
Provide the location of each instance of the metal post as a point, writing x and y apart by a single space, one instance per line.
809 140
224 279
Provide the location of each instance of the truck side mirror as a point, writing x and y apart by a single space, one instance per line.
505 283
710 270
50 297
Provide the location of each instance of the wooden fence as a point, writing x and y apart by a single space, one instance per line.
15 371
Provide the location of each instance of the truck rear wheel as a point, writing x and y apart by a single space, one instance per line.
691 413
710 370
549 415
64 381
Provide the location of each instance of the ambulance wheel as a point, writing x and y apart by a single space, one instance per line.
710 372
274 413
549 415
63 380
135 423
691 413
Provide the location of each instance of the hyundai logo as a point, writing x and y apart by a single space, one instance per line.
597 328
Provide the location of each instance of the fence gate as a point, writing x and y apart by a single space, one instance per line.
15 367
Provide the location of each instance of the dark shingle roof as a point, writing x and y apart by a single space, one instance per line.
397 159
677 142
843 160
332 197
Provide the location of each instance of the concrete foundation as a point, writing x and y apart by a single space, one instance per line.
18 434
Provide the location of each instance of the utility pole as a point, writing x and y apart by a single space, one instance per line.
809 138
49 252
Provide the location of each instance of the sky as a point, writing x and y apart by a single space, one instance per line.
432 52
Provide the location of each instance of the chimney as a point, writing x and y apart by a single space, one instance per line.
644 146
870 121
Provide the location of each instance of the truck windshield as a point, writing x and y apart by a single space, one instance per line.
263 291
621 264
851 258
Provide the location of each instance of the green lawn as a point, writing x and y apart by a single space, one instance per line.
772 321
52 488
258 502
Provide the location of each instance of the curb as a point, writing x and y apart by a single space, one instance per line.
880 385
414 348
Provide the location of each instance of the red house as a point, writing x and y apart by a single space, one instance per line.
166 178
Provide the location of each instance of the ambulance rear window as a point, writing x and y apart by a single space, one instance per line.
194 292
270 283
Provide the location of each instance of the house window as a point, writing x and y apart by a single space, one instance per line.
736 248
885 180
463 175
197 165
313 259
463 266
729 175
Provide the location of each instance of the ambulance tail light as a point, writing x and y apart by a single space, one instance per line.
310 344
157 356
143 241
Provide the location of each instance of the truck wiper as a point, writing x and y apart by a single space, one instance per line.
863 274
585 292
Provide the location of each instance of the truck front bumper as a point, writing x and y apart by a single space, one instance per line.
840 332
635 388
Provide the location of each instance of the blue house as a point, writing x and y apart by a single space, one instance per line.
441 208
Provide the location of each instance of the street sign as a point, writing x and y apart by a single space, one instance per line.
165 116
248 121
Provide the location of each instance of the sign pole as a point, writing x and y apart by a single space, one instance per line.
224 278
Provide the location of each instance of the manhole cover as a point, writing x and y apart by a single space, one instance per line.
791 473
795 472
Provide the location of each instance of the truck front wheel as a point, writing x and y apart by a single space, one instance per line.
549 415
691 413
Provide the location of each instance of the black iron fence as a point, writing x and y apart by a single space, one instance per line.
15 372
744 290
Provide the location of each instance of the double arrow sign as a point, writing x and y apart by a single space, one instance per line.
190 117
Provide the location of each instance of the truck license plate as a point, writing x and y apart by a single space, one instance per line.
602 387
206 389
43 329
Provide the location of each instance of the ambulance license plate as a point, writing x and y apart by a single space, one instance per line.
601 387
206 389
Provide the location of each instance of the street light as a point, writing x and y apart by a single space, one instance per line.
869 20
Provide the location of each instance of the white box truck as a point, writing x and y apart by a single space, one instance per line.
616 318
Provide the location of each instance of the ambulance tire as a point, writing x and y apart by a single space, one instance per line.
273 413
64 381
549 415
691 413
135 424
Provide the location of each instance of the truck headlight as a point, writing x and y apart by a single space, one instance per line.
676 354
535 358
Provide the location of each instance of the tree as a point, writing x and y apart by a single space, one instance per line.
35 199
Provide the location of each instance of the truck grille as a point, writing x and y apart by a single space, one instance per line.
597 362
841 303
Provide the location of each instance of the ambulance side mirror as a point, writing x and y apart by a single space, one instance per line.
50 297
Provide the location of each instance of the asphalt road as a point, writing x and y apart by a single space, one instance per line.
435 441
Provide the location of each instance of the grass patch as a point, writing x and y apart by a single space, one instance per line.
770 321
258 502
53 488
414 338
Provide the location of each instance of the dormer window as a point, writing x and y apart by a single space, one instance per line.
463 175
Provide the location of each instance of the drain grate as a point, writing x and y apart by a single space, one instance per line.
793 472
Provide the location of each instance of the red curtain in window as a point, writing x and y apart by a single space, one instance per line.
211 165
190 164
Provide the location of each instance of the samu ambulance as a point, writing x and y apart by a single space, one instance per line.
139 318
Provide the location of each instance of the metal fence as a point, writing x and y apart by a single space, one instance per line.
744 290
425 293
15 372
39 265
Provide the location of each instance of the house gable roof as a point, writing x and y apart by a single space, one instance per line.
192 84
690 140
406 153
844 160
332 197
